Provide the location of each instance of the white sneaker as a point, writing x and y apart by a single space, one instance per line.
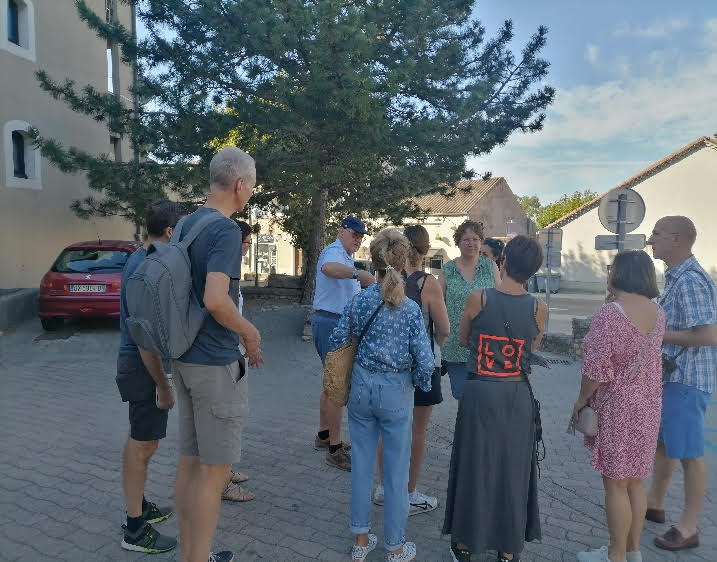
378 495
421 503
635 556
599 555
359 553
408 553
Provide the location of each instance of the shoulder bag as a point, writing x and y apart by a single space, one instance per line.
339 364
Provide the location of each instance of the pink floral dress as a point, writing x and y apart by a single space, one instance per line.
629 409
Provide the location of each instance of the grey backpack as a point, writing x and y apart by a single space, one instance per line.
165 315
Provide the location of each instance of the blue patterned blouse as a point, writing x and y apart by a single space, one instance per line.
396 341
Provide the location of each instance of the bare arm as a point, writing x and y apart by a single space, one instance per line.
540 317
433 297
342 271
471 310
442 283
153 364
697 336
224 311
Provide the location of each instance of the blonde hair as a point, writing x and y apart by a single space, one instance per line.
389 251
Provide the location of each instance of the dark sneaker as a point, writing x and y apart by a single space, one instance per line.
154 514
341 459
223 556
147 540
460 554
320 444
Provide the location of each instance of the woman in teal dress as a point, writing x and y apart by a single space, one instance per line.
466 273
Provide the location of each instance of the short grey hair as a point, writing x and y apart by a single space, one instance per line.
229 165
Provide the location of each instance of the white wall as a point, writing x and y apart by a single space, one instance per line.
687 187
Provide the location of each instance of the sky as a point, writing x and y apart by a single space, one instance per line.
634 82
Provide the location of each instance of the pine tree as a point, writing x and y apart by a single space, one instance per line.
348 107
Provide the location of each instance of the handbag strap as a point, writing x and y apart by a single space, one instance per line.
370 321
536 404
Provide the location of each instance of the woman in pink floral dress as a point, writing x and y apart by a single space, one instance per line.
622 380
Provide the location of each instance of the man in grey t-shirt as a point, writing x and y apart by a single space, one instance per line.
210 377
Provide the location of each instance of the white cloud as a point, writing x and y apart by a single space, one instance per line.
598 135
592 53
632 106
658 29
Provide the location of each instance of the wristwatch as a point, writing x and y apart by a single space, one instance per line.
356 273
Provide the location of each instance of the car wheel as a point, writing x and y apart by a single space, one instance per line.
51 324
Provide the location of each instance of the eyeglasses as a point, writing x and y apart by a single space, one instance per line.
473 241
354 234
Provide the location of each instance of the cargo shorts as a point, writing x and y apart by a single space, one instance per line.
213 406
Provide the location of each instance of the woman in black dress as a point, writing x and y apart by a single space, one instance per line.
491 502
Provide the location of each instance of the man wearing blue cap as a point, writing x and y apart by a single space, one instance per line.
337 281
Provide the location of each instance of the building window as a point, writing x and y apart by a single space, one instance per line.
17 28
18 155
23 163
13 22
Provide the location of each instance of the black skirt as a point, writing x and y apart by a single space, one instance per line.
492 498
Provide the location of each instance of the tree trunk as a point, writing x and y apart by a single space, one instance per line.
316 243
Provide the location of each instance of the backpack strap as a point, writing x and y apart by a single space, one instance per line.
194 231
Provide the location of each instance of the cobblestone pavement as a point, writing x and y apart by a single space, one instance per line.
63 427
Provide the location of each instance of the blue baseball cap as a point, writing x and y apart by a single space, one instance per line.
354 224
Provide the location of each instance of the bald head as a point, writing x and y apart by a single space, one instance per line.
228 166
682 226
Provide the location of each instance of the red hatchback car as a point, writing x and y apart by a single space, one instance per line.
84 281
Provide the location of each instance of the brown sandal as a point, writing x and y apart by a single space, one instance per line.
235 493
238 477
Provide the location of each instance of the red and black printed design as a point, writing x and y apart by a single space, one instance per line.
499 356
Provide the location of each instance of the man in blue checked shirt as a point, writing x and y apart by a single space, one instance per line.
690 303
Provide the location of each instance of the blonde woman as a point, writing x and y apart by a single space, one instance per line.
393 356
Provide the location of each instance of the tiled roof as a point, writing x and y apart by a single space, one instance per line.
467 194
637 178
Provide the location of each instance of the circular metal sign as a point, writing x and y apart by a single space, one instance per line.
609 208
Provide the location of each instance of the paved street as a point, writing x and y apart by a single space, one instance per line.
63 427
564 306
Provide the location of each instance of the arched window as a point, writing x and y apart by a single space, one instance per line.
17 28
18 155
13 22
23 161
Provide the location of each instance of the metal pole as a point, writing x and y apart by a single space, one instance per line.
548 280
621 220
256 261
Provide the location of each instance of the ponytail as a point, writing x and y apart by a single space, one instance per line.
389 251
392 287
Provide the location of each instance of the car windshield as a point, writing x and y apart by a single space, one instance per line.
91 261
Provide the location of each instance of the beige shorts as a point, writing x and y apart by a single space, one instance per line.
213 406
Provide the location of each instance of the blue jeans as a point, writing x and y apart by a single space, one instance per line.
380 403
458 373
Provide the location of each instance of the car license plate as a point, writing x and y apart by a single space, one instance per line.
87 288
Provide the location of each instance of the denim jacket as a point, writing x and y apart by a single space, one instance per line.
396 341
